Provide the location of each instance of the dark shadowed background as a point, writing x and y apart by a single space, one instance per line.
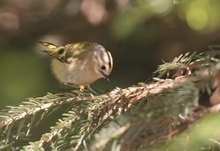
139 33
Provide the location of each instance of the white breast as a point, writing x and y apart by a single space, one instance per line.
75 73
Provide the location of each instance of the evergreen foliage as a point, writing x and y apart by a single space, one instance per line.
162 115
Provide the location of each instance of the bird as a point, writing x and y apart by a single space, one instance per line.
79 64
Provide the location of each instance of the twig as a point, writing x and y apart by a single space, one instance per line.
32 110
114 102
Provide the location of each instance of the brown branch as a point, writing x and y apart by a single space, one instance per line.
114 102
132 94
116 98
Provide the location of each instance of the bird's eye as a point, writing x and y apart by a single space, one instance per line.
103 67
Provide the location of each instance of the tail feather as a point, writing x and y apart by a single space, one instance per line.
49 45
55 51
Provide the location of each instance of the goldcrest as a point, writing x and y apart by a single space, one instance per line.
79 64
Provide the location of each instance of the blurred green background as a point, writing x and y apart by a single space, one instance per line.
139 33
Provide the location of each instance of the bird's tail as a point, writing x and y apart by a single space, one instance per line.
54 50
48 45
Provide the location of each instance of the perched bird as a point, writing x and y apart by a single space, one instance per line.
79 64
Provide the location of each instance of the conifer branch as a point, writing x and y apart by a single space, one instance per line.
29 108
103 107
23 117
115 99
162 105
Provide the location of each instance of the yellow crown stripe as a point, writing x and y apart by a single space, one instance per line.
110 60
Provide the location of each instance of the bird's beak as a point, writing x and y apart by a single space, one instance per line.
105 76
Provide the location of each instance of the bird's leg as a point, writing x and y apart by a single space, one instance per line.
77 91
91 90
87 88
83 88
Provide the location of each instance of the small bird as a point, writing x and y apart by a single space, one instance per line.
79 64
